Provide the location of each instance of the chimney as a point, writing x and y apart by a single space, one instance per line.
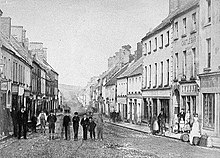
45 54
6 26
18 33
139 50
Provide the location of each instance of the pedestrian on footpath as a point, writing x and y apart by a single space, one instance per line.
91 128
51 119
34 123
42 117
181 117
14 115
76 120
84 123
154 125
66 125
161 121
22 118
99 128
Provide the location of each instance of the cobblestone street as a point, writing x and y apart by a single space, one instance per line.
118 142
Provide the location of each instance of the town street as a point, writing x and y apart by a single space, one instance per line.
118 142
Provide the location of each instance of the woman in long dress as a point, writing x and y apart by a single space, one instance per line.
195 129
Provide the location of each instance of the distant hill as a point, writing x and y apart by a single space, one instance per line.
69 91
70 98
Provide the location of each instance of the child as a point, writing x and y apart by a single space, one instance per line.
91 128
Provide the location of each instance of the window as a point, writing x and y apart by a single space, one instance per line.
161 41
194 21
209 52
194 62
168 71
176 29
146 76
209 110
14 71
155 45
155 75
184 26
161 71
184 63
168 39
209 10
149 75
176 66
145 45
149 47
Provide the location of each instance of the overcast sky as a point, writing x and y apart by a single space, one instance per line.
81 34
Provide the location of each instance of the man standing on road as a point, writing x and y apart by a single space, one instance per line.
66 125
84 123
51 119
161 121
99 128
22 122
75 125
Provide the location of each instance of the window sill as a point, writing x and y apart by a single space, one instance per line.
184 35
154 86
161 47
176 38
207 69
155 50
168 44
193 31
207 24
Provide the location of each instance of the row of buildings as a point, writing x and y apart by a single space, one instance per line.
27 80
175 66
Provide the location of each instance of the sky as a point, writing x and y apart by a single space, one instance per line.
80 35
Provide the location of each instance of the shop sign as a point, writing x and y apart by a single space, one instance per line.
4 86
210 81
188 41
14 89
20 91
189 89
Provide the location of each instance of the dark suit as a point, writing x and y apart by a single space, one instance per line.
84 122
75 126
22 118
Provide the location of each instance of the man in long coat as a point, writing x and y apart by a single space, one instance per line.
76 120
22 118
84 123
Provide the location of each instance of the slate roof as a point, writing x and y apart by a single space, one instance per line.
113 80
168 20
134 69
15 48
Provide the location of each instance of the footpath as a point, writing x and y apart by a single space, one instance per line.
146 129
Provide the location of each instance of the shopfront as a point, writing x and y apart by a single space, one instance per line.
189 97
210 101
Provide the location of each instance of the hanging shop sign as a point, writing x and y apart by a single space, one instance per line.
20 91
191 89
4 86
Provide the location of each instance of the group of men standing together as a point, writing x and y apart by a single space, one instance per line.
88 124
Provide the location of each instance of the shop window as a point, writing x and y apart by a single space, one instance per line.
209 110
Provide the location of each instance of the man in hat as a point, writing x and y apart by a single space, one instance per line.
84 123
75 125
51 119
22 118
66 124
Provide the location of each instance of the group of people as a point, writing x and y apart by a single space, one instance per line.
88 124
158 123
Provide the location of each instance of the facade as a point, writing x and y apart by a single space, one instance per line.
156 90
209 67
185 51
111 91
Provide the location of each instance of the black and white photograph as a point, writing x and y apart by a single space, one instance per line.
109 78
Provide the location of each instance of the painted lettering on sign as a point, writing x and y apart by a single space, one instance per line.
191 88
210 81
187 41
